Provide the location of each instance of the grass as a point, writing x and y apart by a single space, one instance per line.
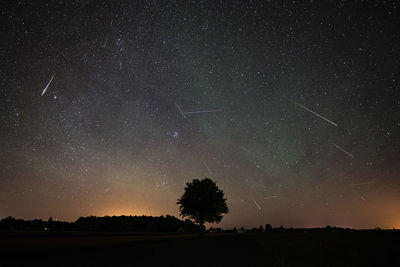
310 248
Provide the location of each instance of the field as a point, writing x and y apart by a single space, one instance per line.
308 248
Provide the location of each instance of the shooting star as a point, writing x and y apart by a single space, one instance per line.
316 114
370 182
108 33
254 153
205 164
180 110
105 42
245 149
270 197
359 195
255 203
342 149
202 111
107 189
47 86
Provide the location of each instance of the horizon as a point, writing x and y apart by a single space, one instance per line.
219 225
214 225
291 108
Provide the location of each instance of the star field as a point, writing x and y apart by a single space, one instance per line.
292 107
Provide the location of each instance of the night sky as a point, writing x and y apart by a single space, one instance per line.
293 108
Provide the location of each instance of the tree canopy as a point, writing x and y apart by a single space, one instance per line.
203 202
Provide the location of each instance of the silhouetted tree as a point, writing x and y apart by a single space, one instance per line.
203 202
268 227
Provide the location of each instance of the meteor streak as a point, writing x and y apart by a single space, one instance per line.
316 114
255 203
105 42
44 91
342 149
202 111
370 182
108 33
358 194
270 197
245 148
180 110
205 164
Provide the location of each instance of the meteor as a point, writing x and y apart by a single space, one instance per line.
270 197
316 114
202 111
108 33
255 203
180 110
370 182
205 164
342 149
44 91
105 42
245 149
359 195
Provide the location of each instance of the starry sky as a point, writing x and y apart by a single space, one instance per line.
292 107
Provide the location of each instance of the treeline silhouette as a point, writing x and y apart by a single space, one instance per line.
166 223
143 223
281 229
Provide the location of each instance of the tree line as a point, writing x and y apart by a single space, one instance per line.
143 223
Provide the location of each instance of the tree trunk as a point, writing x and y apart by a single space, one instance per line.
202 228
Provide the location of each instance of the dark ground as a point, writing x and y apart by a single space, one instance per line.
352 248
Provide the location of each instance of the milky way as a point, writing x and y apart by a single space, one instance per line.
293 108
